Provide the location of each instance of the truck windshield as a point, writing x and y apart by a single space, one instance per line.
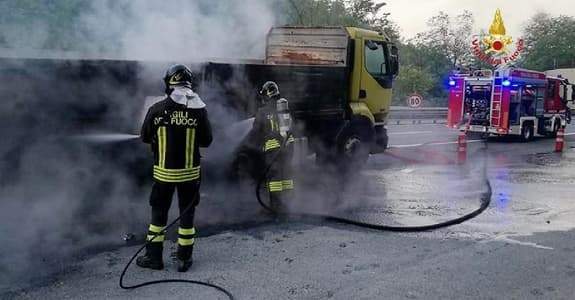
375 62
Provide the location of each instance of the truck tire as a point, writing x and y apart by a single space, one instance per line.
353 144
380 140
527 132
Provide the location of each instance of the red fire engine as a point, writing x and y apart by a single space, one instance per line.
509 101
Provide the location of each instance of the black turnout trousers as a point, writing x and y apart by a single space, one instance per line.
161 200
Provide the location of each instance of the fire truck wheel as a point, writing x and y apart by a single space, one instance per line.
527 132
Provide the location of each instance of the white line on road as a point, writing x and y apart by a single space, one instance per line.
431 144
410 132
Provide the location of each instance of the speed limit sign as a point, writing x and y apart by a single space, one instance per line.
414 100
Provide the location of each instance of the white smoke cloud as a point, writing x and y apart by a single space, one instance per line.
180 29
59 197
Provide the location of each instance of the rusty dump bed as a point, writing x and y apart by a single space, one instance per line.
307 46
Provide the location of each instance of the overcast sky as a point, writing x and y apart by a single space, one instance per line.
412 15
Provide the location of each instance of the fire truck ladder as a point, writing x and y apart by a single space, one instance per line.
496 102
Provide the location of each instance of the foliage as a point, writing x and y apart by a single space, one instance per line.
426 60
550 42
412 79
450 37
358 13
433 54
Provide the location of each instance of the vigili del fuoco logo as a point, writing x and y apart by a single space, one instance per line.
497 48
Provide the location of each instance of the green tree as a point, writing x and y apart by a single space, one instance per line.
550 42
358 13
412 79
431 56
449 36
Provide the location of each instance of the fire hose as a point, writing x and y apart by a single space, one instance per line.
196 282
485 202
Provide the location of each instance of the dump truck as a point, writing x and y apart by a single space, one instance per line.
338 81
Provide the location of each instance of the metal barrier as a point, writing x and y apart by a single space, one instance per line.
402 115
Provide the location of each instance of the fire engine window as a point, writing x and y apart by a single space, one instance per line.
514 108
375 59
562 92
514 97
528 96
540 104
551 89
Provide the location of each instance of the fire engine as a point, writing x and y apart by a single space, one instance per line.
509 101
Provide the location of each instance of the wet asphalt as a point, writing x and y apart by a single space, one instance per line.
521 247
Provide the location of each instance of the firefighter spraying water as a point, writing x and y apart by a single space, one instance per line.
175 127
271 133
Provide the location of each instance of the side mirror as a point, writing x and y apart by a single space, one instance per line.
394 60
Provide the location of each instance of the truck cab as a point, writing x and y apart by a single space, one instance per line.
375 66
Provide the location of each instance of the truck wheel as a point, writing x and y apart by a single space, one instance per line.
354 144
527 132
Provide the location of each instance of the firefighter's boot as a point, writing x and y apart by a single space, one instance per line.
184 258
153 257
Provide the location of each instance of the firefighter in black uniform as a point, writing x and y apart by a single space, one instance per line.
175 127
272 132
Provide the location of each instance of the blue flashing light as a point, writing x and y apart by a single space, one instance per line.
451 82
506 82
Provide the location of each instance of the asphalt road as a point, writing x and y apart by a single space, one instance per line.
522 247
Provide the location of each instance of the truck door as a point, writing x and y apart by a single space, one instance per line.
376 78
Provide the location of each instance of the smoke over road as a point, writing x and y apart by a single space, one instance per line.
60 193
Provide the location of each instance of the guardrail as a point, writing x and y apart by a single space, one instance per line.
402 115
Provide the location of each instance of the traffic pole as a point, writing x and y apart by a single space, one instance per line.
462 147
560 140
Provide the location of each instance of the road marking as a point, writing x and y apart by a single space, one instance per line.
410 132
432 144
509 240
572 133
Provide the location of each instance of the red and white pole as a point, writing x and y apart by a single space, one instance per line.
560 140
